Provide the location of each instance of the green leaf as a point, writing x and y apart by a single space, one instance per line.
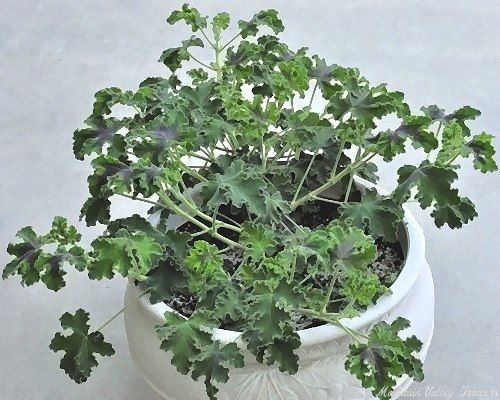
384 358
220 23
455 143
205 268
164 281
362 287
452 144
51 265
280 351
106 98
268 330
175 56
184 338
110 175
198 75
354 248
128 254
62 232
190 15
213 362
290 77
25 255
201 98
454 215
153 139
379 214
267 18
414 128
433 184
259 239
32 263
229 302
79 346
365 104
322 72
96 209
98 133
483 151
240 185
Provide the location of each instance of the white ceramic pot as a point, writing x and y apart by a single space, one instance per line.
321 374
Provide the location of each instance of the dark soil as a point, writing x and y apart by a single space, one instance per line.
387 266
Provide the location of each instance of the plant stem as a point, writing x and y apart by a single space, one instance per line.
218 65
192 207
193 173
330 290
305 175
195 155
201 62
333 318
231 41
139 111
351 178
327 200
332 181
278 156
206 37
230 220
453 158
212 230
120 311
339 155
128 196
313 93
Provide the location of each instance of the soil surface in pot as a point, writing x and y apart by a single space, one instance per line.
389 263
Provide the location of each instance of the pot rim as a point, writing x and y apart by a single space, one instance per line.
415 258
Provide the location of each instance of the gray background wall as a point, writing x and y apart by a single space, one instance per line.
55 54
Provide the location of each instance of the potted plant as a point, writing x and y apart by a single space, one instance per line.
270 266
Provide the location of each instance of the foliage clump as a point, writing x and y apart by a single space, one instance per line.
244 149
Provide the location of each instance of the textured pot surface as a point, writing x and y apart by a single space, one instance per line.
321 374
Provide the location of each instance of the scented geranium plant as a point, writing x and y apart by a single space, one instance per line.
259 155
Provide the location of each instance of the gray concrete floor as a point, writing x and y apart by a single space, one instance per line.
54 54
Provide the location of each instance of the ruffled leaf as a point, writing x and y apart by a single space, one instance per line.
80 346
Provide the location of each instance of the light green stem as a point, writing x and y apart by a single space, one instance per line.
200 62
120 311
313 93
305 176
330 290
193 173
351 178
333 318
332 181
212 230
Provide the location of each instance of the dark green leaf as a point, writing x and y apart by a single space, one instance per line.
175 56
80 346
433 184
454 215
213 362
483 152
384 358
184 338
33 263
267 18
240 185
379 214
190 15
